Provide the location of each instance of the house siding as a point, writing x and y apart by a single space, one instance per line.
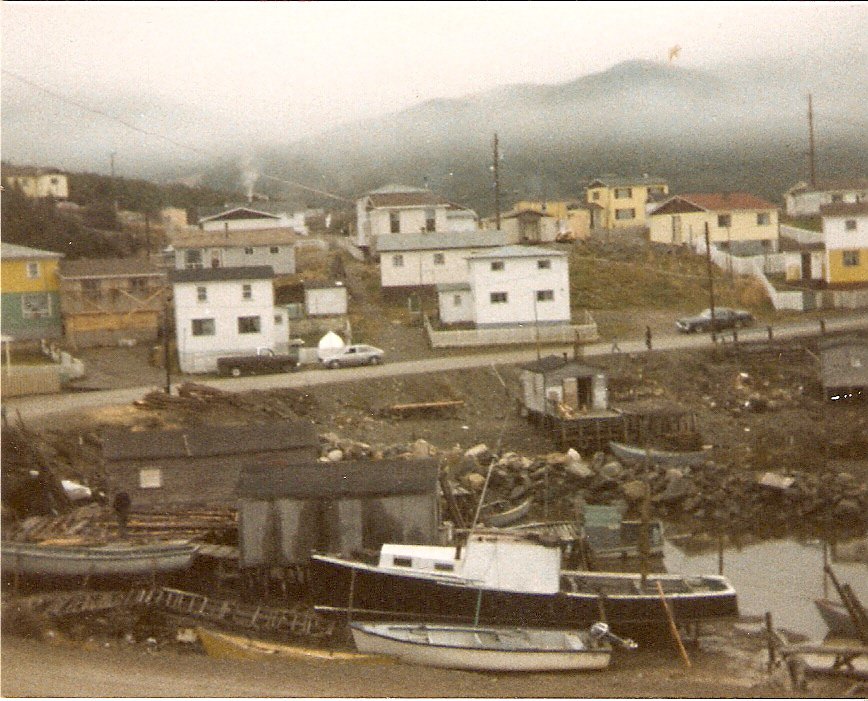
838 240
16 285
604 196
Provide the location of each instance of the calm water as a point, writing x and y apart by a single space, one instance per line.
781 576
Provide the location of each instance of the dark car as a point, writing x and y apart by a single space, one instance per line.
263 362
724 318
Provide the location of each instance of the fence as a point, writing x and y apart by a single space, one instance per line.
584 332
22 380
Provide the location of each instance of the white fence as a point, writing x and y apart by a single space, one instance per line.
585 332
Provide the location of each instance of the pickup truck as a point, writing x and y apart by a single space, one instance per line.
263 362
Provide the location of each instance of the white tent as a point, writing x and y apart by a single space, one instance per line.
328 344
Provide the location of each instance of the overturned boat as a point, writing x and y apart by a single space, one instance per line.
503 579
637 455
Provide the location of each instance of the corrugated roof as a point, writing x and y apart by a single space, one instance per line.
236 238
440 240
843 209
340 479
726 201
239 213
12 250
247 272
109 267
621 181
123 444
519 252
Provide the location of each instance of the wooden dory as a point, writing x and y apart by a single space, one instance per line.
633 454
225 646
483 648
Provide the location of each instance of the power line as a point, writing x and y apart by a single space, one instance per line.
156 135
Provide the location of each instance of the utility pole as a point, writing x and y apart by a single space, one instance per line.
496 185
710 280
114 184
166 359
811 154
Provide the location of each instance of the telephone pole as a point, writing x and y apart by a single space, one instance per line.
811 155
710 281
496 185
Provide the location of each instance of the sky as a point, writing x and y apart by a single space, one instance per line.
289 69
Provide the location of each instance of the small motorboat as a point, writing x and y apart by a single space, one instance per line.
486 648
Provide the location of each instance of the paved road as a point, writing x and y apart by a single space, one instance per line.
46 405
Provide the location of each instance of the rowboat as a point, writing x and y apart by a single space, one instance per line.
507 516
636 454
837 618
225 646
486 648
116 559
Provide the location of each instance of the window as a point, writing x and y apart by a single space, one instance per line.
394 223
444 567
202 327
544 264
595 195
248 250
274 249
763 219
247 292
53 181
545 295
837 198
623 193
398 261
278 320
138 285
439 259
625 214
248 324
724 220
33 271
193 259
497 265
498 297
656 190
850 258
850 224
402 561
429 220
202 294
90 289
151 478
36 306
456 300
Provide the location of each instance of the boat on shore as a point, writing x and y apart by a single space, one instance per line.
499 515
114 559
504 579
634 454
485 648
837 618
226 646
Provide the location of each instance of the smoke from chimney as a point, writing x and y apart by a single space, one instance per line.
249 175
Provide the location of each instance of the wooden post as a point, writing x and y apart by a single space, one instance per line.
771 642
825 574
720 553
478 607
672 627
601 606
352 594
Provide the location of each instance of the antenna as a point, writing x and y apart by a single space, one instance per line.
811 154
496 186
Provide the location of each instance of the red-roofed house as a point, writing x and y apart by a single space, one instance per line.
731 218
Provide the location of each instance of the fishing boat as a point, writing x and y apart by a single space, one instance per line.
837 618
636 454
487 648
611 537
225 646
506 579
115 559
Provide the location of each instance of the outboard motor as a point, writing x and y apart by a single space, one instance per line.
600 632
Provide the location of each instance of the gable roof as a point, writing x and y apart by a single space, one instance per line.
519 252
843 209
109 267
236 238
714 202
239 213
361 478
621 181
395 187
246 272
830 185
14 251
418 198
560 364
440 240
205 441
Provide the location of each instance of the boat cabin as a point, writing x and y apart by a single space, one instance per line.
497 561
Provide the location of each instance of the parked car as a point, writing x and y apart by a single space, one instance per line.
265 361
724 318
358 354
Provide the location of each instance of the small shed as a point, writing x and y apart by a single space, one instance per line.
556 381
285 511
198 466
325 298
844 368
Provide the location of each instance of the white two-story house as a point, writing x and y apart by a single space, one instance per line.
216 249
509 286
402 209
845 232
414 260
805 200
224 311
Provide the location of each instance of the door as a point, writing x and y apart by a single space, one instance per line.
676 228
806 266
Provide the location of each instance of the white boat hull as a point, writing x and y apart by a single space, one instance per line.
444 653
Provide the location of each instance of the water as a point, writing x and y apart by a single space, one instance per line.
780 576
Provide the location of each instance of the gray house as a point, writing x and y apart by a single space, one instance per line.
237 248
198 467
285 511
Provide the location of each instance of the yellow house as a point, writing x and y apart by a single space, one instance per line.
37 182
730 218
845 230
30 293
619 203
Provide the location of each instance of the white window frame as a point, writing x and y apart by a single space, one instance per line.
498 266
439 259
205 329
201 293
39 303
34 271
274 250
193 259
499 297
544 264
724 221
849 225
397 261
763 219
248 250
457 300
257 324
246 291
623 193
850 258
545 295
631 213
394 222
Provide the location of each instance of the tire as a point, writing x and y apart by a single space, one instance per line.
235 372
333 365
374 361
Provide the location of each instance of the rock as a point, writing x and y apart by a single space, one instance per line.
847 508
612 470
480 453
579 469
635 490
673 473
573 455
423 449
335 455
555 459
473 480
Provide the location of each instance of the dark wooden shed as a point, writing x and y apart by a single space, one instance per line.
285 511
198 467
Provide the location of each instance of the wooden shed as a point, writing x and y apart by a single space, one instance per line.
554 385
200 466
285 511
844 368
